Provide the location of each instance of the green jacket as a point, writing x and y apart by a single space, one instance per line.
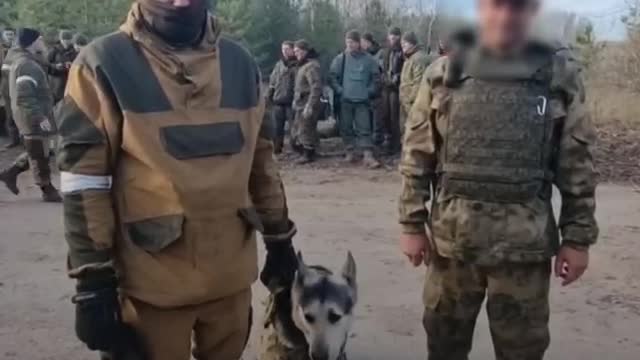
31 97
414 66
357 79
282 82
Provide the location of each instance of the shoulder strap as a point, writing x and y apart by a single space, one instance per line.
344 61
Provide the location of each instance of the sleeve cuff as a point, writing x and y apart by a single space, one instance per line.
272 234
414 228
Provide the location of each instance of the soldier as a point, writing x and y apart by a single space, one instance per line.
79 42
8 37
166 175
388 131
496 124
306 102
32 106
281 89
371 46
354 77
416 62
60 59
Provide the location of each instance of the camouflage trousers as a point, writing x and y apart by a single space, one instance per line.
517 305
35 158
304 131
274 344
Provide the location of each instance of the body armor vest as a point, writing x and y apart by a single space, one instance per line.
498 130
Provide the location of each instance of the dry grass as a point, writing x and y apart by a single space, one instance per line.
614 102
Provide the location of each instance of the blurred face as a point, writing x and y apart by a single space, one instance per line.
352 46
8 36
300 54
407 47
366 44
38 48
394 40
287 52
66 43
505 24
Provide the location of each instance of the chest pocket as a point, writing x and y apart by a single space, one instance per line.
185 142
358 74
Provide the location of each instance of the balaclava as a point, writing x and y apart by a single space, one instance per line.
178 26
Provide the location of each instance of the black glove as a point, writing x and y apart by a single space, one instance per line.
280 266
98 318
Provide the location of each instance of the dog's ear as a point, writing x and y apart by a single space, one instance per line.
349 270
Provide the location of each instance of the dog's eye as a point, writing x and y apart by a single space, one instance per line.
333 317
309 318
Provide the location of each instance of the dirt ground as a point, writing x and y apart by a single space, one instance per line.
336 209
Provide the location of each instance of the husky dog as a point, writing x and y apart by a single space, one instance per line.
322 307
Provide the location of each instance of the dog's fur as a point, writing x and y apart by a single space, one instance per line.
322 307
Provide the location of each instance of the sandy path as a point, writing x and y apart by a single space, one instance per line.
336 210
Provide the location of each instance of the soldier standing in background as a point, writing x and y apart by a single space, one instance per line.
79 42
281 90
388 131
8 42
354 76
496 125
416 62
371 46
32 105
306 102
60 59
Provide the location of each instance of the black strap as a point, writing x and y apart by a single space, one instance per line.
344 61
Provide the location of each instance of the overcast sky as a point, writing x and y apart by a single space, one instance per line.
604 13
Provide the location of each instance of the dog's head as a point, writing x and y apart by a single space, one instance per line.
323 305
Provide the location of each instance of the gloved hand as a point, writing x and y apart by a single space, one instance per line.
98 318
280 266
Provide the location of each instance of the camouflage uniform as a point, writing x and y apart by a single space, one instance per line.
59 59
167 172
492 137
281 91
32 106
307 94
388 131
414 67
12 129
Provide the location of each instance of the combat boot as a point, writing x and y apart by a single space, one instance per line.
10 178
50 194
308 156
278 145
297 148
350 156
14 143
370 160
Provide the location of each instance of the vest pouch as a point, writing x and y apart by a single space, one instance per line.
490 190
156 234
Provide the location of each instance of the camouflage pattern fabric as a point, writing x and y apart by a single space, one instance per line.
308 91
273 346
517 304
414 67
497 225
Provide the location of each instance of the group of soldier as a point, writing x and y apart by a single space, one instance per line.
32 81
167 173
374 89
